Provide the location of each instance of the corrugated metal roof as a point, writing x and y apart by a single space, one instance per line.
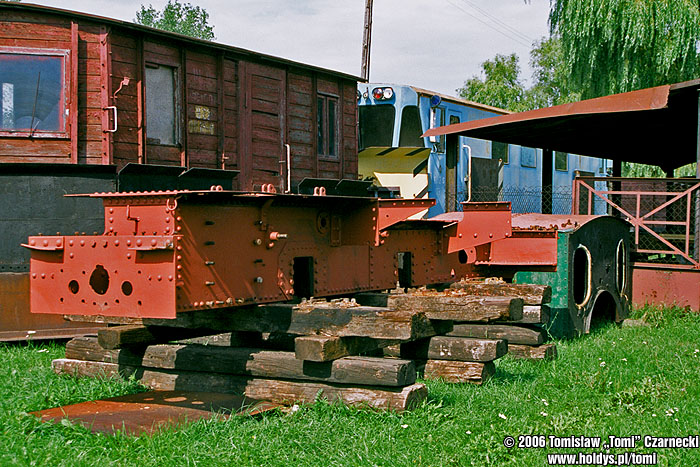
169 35
653 126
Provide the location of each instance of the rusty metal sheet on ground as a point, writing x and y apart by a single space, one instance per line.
147 412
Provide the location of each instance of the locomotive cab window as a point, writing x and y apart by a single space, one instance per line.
32 92
161 105
376 125
327 125
411 128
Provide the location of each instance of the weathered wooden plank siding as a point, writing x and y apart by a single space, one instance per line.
301 128
235 111
349 130
230 154
202 112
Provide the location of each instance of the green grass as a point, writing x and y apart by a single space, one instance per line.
616 381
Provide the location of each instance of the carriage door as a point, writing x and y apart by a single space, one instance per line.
451 158
264 127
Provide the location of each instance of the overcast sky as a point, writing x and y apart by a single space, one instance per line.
433 44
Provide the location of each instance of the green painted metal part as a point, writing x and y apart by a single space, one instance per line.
605 297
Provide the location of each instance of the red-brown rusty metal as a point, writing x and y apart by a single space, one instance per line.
642 219
477 224
536 221
169 252
166 252
616 121
148 412
657 284
524 248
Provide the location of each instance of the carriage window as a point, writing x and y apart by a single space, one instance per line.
528 157
327 125
561 161
376 126
499 151
161 105
32 95
411 128
438 117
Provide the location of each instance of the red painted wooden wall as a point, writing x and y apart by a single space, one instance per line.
233 109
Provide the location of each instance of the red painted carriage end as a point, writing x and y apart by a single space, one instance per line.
656 285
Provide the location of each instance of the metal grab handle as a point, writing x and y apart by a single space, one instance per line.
114 109
469 171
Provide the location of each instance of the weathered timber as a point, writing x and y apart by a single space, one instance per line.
532 294
278 391
459 372
327 348
399 399
512 334
128 335
392 351
228 339
536 352
317 318
102 319
245 361
454 306
533 314
464 349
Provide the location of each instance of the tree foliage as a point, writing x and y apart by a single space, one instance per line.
183 18
501 85
551 79
613 46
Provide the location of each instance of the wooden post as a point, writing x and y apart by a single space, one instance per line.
73 93
367 40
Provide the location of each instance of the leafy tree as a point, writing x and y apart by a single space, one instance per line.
550 76
613 46
501 86
183 18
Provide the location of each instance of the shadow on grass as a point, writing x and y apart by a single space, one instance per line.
525 373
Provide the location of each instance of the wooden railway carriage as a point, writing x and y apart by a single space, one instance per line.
83 89
80 91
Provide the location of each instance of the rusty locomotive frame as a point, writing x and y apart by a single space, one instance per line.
237 179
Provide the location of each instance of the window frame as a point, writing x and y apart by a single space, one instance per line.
534 157
64 100
324 152
177 99
566 160
403 137
438 116
506 161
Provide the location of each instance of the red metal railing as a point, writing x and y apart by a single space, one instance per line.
663 213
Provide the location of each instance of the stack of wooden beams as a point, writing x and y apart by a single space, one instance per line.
453 358
287 353
525 330
281 353
489 320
